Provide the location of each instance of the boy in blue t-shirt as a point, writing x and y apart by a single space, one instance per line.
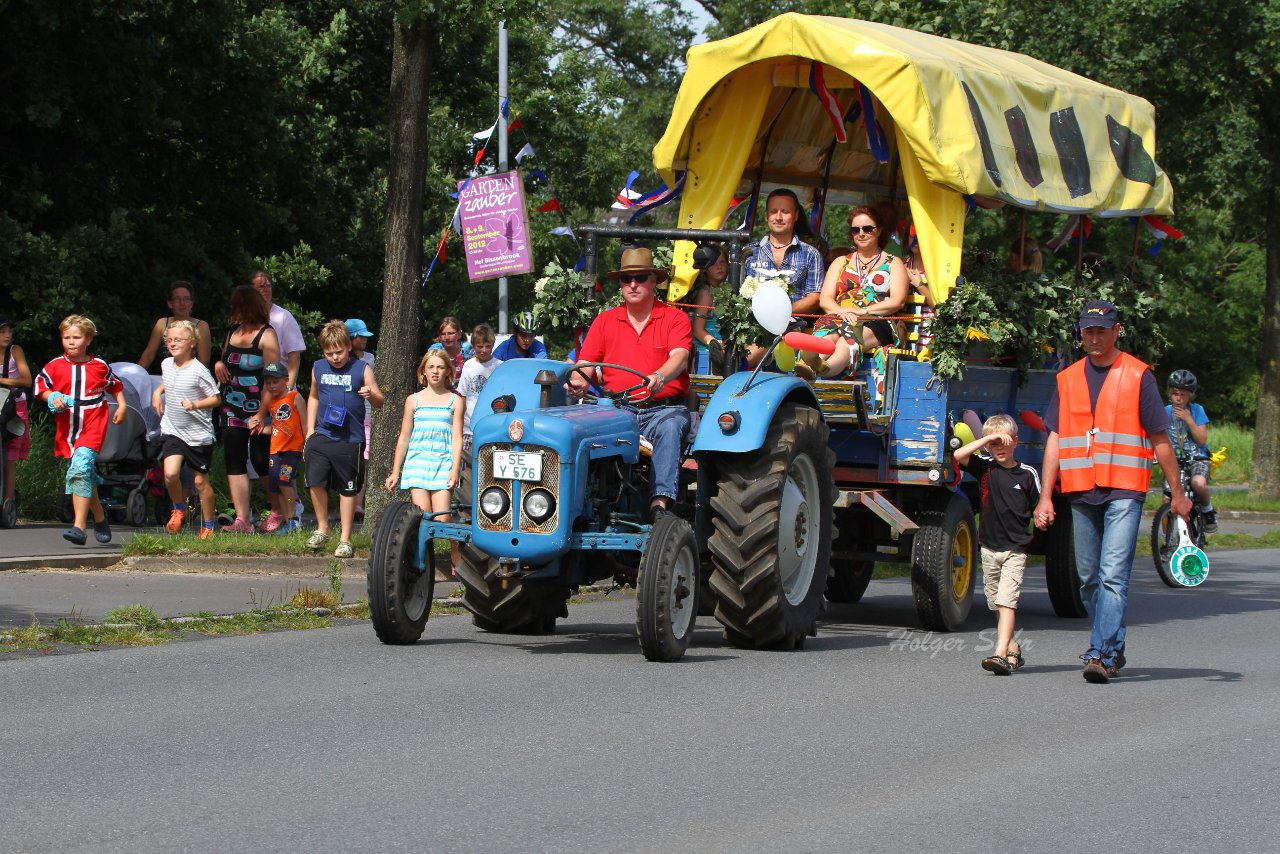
1189 435
342 386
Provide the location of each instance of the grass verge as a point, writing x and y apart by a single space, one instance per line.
138 625
247 545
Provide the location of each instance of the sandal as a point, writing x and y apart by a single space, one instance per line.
998 664
1015 659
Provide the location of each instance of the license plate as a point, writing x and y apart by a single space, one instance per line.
517 465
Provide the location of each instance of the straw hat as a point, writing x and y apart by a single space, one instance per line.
638 260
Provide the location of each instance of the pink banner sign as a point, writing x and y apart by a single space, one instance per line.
495 227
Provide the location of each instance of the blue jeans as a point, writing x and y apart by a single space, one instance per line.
665 427
1105 538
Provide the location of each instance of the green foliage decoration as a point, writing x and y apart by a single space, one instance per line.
1022 320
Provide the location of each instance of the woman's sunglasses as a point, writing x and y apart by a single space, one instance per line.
865 229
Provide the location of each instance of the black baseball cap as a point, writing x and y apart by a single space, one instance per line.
276 369
5 321
1098 312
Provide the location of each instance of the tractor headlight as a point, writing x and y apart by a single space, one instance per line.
494 502
539 505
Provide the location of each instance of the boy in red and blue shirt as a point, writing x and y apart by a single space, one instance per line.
75 386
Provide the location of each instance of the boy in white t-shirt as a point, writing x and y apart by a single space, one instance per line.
475 373
186 424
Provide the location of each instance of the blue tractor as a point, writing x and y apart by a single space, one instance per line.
558 499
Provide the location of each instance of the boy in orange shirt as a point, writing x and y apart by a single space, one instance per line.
288 421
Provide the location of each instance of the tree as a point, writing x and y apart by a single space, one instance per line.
412 41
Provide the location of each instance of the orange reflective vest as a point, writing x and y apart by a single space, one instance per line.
1106 448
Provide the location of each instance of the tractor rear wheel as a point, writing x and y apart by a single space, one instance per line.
771 539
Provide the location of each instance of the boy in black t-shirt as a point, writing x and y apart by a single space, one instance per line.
1009 491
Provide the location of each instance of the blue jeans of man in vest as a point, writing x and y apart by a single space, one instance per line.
1105 538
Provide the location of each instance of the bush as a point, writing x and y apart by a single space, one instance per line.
41 476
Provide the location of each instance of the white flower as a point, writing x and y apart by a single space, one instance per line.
541 285
749 285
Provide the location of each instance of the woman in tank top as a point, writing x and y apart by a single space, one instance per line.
181 300
251 343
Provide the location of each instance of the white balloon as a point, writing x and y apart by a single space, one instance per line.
772 308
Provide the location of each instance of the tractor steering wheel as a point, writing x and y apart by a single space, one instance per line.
621 396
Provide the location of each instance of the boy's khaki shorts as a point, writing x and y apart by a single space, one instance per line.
1002 577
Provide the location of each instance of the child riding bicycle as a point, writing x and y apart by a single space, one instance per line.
1189 435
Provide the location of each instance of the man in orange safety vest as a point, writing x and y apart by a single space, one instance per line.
1106 422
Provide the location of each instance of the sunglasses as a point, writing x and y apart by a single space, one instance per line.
865 229
628 279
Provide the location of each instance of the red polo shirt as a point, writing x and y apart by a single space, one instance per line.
612 338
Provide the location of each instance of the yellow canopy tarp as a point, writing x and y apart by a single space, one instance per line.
961 120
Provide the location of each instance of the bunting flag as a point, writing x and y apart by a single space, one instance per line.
657 198
830 103
1055 243
969 204
485 134
525 151
580 264
505 108
539 174
548 206
515 123
750 214
438 256
626 197
876 140
463 186
1160 229
1083 230
563 231
479 156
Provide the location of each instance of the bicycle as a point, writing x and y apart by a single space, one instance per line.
1164 533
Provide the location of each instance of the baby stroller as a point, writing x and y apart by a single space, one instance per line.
130 451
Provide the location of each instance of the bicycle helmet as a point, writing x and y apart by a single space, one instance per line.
1184 380
523 322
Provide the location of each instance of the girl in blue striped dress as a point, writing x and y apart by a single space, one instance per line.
429 451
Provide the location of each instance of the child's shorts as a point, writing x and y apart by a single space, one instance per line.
335 465
198 458
82 473
1002 577
283 470
1199 468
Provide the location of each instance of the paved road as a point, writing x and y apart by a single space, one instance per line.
874 738
48 595
44 539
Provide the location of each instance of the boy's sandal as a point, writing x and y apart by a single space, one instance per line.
1015 659
998 664
75 536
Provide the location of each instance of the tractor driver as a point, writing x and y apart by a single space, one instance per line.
654 338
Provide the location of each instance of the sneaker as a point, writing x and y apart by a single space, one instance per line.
273 522
102 532
1211 521
75 536
297 512
1120 662
206 533
1097 672
344 550
317 540
177 519
239 526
